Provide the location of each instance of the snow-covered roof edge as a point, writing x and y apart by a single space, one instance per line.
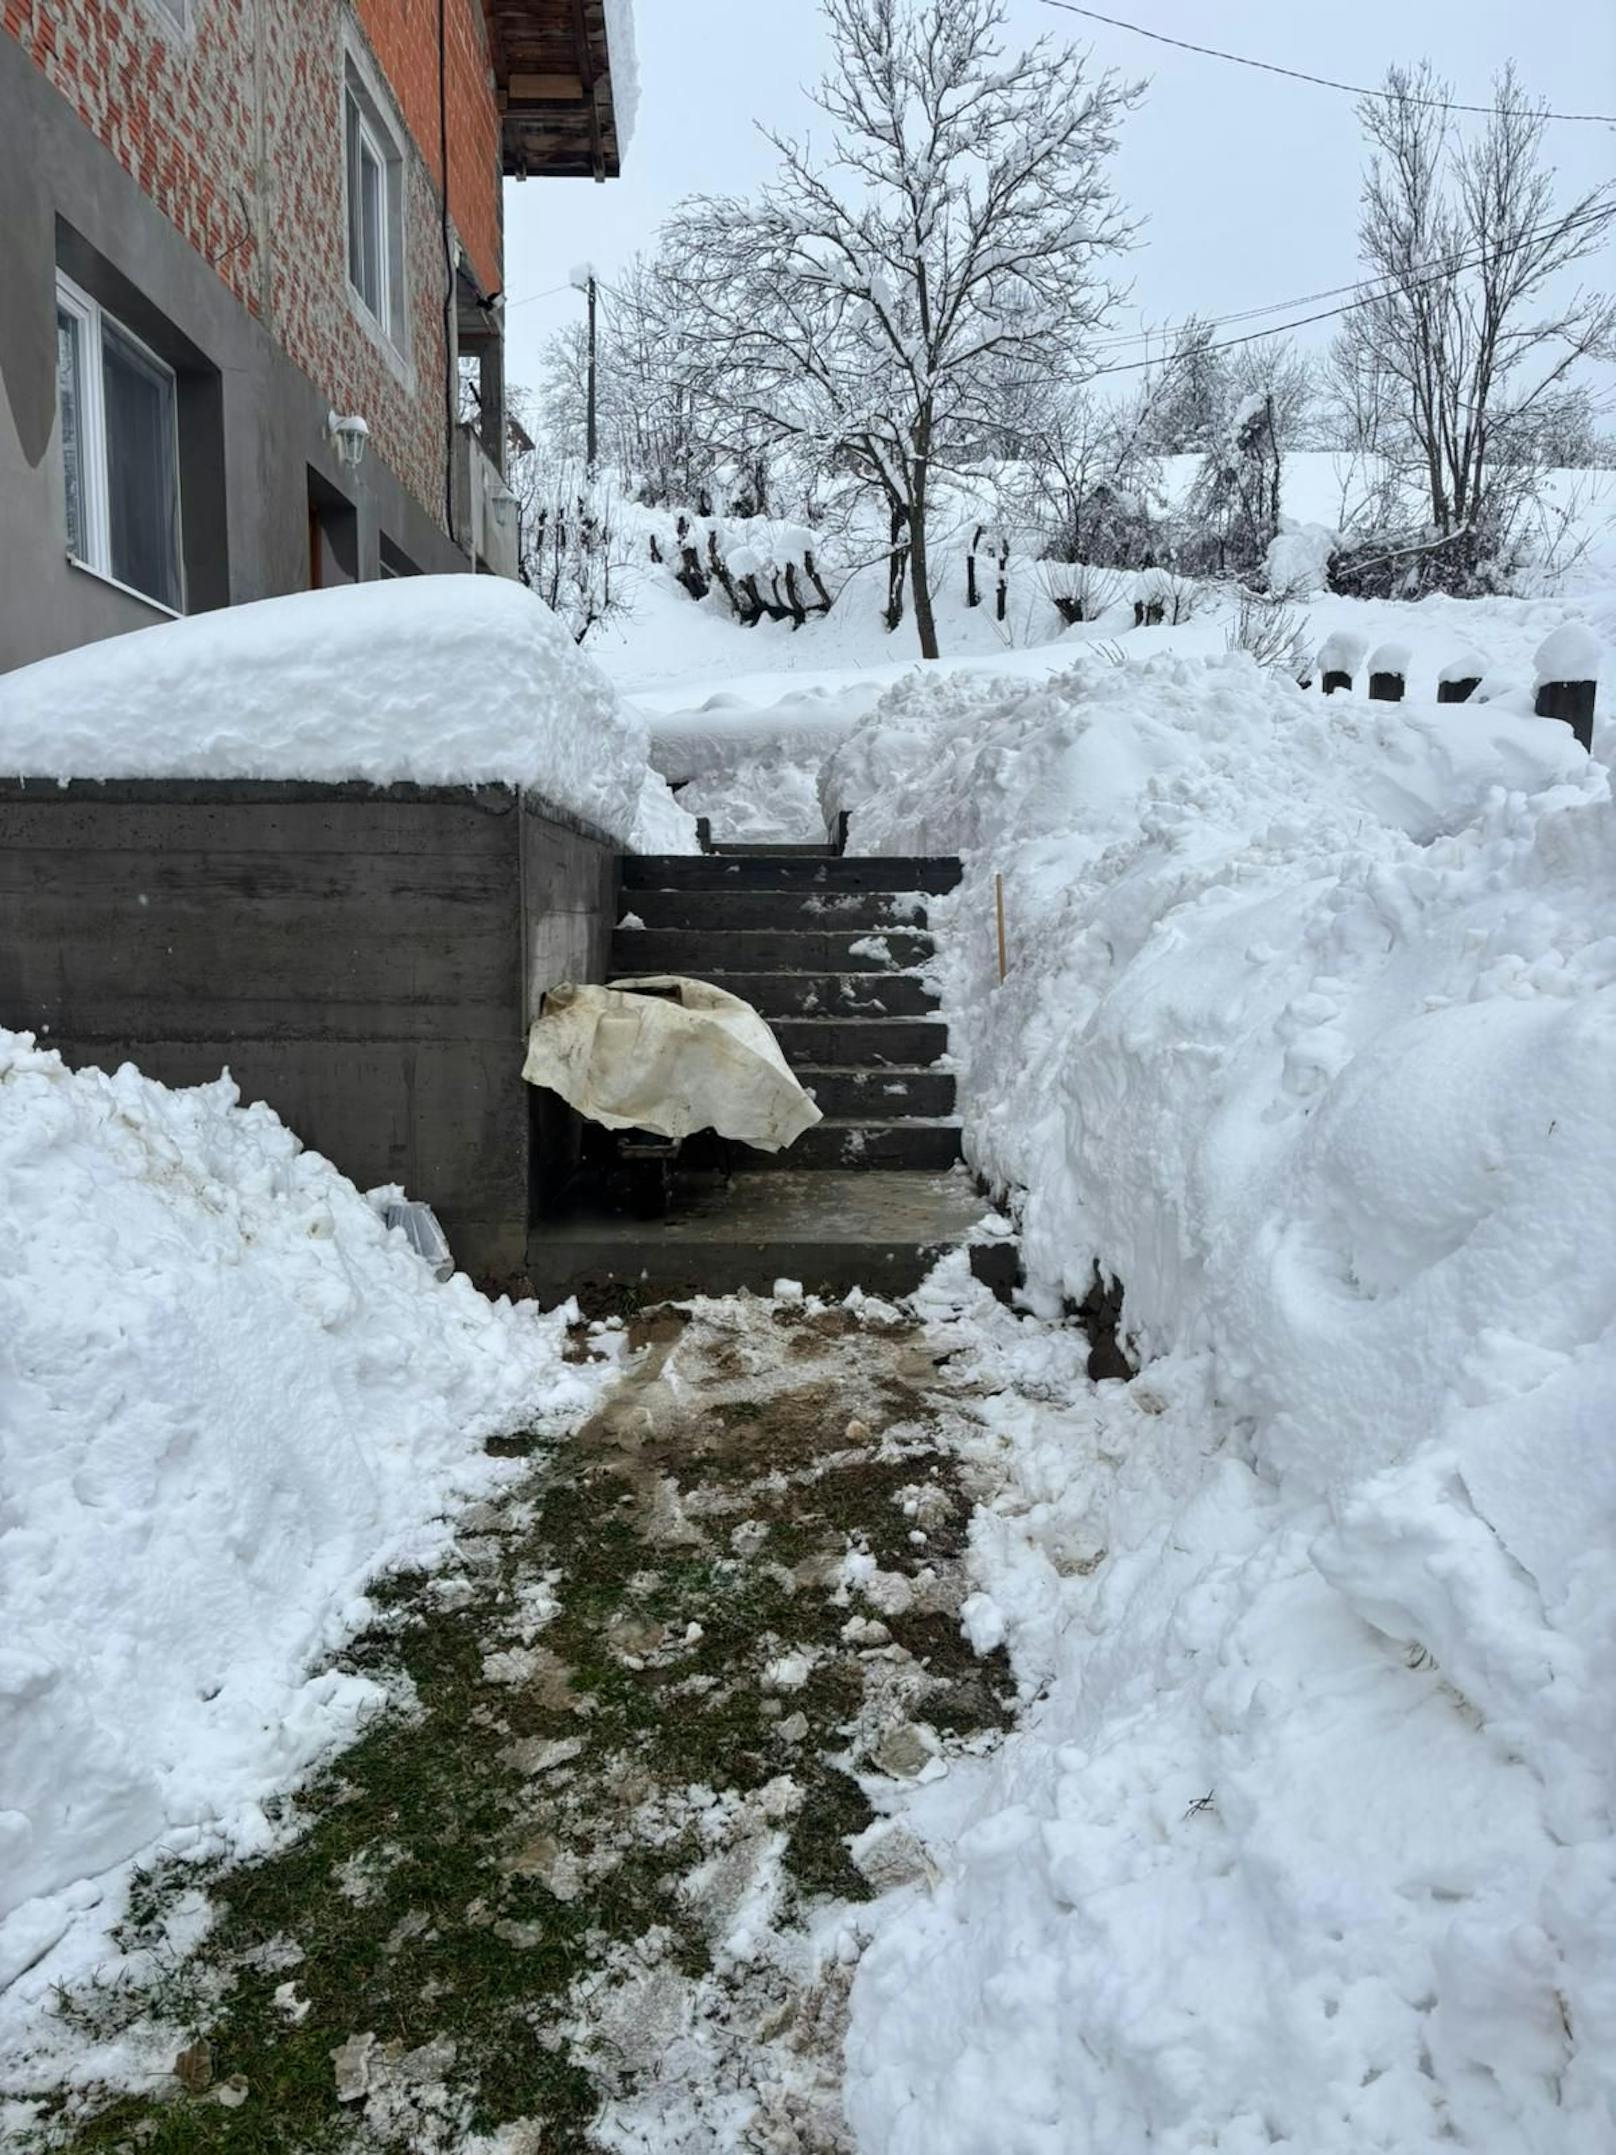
625 64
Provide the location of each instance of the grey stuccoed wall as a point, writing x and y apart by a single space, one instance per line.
364 959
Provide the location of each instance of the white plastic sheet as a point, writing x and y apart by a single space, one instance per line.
702 1061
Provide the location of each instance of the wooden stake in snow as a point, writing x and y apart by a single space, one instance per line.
998 906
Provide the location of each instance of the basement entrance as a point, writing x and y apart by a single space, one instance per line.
829 948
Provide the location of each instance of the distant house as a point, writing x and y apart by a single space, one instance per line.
251 259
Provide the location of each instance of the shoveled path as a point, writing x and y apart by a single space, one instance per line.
596 1881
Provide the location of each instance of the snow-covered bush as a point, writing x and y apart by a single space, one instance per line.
1271 633
576 553
763 566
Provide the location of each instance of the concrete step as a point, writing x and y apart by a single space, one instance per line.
885 1095
786 849
699 953
749 910
788 871
829 1230
828 995
861 1146
860 1043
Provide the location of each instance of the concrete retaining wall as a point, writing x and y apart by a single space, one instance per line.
365 960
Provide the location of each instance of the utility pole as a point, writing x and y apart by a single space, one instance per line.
594 426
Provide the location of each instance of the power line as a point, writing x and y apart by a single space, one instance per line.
1370 299
529 298
1334 291
1323 82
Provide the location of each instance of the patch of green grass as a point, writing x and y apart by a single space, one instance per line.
400 1888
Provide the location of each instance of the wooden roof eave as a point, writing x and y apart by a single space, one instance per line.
552 66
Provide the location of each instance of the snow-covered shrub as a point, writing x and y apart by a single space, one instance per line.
1162 598
575 554
1232 515
1270 632
763 566
1298 559
1081 591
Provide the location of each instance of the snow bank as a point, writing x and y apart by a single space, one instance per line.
438 680
1307 1037
229 1396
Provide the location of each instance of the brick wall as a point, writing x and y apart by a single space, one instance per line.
404 37
178 108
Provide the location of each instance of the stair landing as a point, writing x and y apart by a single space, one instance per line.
831 1230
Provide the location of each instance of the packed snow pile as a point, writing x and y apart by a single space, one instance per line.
435 680
755 770
1309 1837
229 1397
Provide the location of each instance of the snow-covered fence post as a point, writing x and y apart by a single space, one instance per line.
973 596
1388 673
1001 602
1567 675
1460 678
1340 657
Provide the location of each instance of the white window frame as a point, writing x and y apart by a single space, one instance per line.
72 300
363 112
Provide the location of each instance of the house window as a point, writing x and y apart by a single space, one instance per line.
120 450
375 211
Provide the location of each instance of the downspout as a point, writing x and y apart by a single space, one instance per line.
451 400
263 181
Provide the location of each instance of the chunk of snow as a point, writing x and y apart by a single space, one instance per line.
1463 666
1343 651
1395 657
1572 653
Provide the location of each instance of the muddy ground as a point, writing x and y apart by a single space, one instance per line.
599 1879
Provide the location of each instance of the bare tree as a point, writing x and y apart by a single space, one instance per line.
1476 333
862 307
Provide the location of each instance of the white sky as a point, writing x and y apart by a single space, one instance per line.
1248 183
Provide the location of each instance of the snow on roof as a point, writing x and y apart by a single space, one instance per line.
435 680
625 59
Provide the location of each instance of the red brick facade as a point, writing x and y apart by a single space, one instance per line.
257 188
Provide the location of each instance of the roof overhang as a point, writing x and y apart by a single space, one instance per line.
553 75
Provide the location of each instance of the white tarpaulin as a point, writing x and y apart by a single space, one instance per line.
701 1061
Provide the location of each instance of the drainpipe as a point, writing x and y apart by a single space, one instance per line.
262 179
451 372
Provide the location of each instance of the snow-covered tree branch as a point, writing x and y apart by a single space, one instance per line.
865 305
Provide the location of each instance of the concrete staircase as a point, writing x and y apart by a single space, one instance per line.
830 948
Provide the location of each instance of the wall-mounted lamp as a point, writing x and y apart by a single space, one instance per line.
350 435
